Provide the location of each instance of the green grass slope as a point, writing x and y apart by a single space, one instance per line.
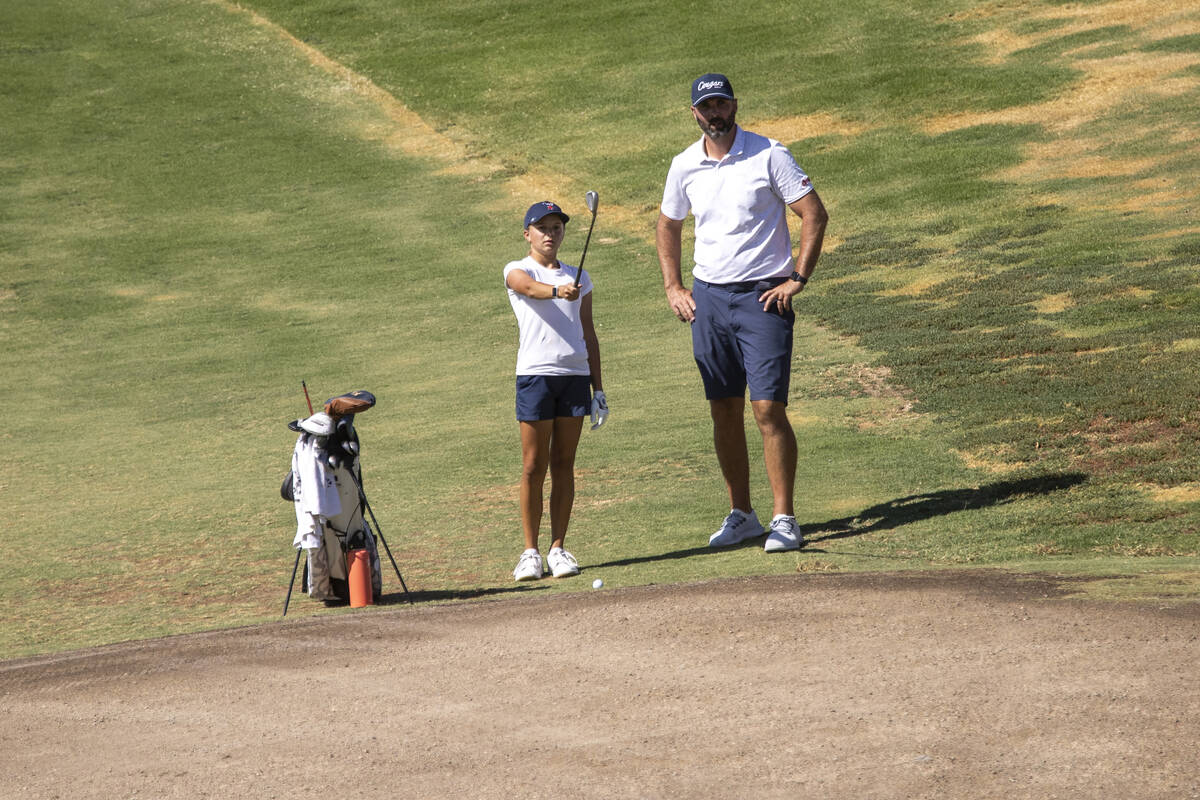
997 364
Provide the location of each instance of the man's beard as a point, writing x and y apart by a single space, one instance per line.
718 127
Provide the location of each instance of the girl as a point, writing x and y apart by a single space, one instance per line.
558 381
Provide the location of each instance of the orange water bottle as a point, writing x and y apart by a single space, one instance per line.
358 567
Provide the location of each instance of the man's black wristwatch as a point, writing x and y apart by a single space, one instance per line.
800 279
554 291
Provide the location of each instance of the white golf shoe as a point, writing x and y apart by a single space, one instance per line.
737 527
529 568
562 564
785 535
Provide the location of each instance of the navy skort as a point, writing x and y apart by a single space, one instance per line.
542 397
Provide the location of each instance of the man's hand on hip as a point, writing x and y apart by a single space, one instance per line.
779 299
681 302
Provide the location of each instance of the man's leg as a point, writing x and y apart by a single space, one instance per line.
729 440
779 452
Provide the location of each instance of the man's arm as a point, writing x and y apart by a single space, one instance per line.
813 218
669 237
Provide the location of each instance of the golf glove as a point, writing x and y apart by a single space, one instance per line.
599 409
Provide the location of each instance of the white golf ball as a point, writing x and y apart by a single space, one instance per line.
596 584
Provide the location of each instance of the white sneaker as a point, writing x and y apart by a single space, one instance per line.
529 568
785 535
737 527
562 564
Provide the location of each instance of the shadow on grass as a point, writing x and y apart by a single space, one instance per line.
400 598
918 507
894 513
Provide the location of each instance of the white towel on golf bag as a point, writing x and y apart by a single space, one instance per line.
315 490
309 528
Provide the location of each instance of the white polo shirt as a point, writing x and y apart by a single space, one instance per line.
551 334
740 205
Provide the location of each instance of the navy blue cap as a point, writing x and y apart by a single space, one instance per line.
712 84
544 209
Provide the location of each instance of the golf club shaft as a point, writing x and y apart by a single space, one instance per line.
593 203
579 274
304 386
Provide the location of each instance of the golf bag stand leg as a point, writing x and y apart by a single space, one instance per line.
362 498
292 582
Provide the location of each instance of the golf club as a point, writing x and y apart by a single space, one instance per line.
304 386
593 201
296 565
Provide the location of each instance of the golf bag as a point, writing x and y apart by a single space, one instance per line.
325 486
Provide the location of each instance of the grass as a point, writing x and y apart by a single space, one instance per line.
996 367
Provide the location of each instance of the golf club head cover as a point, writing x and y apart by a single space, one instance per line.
345 405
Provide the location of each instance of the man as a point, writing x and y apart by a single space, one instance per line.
739 185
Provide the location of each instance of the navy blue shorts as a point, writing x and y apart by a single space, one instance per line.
736 344
542 397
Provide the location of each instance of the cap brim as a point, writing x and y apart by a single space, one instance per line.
565 218
704 97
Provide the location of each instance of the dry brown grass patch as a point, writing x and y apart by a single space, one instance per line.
930 276
808 126
1113 445
1139 550
1106 83
863 380
1172 234
993 461
1072 158
1095 351
1184 346
1054 303
1183 493
1048 549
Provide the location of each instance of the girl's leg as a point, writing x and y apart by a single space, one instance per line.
535 458
563 444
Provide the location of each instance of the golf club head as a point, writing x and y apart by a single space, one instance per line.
593 201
